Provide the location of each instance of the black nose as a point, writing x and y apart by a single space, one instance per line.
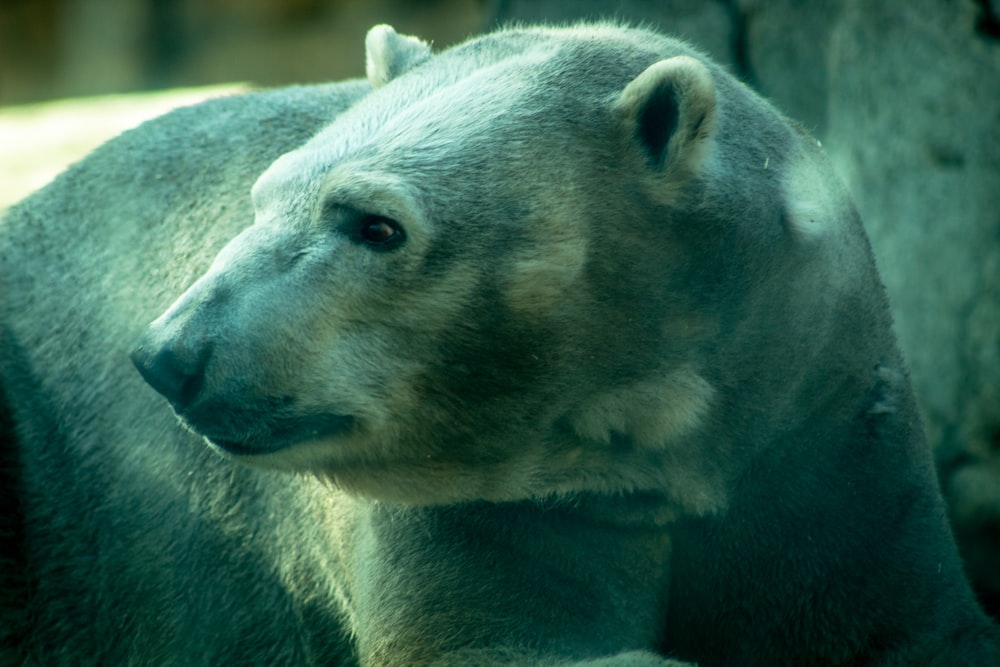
175 371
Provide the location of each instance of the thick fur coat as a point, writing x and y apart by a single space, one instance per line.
560 347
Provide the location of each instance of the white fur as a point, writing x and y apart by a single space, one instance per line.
653 412
388 54
812 206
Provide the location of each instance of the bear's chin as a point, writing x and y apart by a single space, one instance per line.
361 465
234 448
279 437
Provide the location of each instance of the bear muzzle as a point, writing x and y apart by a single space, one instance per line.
239 425
176 372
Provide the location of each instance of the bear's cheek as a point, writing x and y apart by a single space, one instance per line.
264 391
368 355
540 279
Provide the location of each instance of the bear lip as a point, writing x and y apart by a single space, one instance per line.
281 436
232 447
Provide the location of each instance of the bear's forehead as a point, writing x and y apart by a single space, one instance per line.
492 100
442 109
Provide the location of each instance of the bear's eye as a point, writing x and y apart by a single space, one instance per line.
380 232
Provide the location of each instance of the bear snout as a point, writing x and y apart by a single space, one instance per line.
175 371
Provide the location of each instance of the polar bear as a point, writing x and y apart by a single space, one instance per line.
559 347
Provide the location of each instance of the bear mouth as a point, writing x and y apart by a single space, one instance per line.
276 437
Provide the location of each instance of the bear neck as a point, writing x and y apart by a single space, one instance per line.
533 560
852 483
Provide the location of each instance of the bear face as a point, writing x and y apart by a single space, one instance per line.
482 283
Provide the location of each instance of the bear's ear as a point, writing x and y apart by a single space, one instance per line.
388 54
669 110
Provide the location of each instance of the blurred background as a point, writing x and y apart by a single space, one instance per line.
109 61
904 94
69 48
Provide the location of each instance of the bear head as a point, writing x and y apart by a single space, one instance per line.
545 261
